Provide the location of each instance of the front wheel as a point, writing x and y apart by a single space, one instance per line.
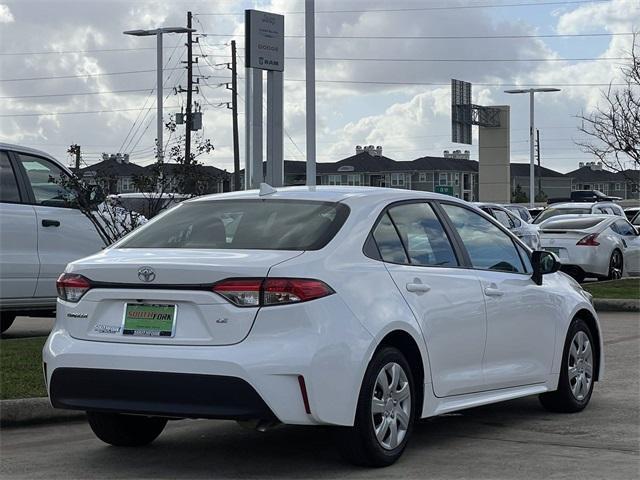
125 430
385 412
575 384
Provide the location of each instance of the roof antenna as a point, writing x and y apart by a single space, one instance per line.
266 189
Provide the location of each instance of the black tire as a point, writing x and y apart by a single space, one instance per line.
563 400
122 430
359 444
6 320
616 265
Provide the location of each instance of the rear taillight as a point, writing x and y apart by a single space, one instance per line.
243 292
589 240
71 286
253 292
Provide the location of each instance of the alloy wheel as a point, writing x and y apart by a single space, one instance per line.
391 406
615 266
580 365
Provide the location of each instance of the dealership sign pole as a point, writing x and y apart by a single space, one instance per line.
264 44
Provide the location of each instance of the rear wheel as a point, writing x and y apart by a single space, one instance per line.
125 430
6 320
575 384
385 412
616 265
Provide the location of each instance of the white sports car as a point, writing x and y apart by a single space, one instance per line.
364 308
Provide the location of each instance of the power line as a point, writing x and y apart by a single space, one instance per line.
441 37
456 60
149 96
77 93
422 9
86 75
80 112
100 50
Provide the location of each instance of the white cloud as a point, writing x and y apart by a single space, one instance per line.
5 14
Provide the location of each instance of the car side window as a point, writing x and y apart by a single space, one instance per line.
423 235
8 184
624 228
503 218
388 241
45 178
489 247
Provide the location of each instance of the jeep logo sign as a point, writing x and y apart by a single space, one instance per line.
264 40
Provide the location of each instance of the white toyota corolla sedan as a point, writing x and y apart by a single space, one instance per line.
363 308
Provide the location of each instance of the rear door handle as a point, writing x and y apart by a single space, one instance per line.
50 223
493 292
418 287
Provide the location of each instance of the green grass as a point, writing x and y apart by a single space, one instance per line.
621 289
21 368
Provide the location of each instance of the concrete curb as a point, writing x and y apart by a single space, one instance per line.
617 305
22 411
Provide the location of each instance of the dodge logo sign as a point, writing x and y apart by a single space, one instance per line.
146 274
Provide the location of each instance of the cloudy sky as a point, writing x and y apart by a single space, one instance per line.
97 88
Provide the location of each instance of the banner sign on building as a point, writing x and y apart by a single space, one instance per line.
264 40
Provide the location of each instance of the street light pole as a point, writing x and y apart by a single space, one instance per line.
532 168
532 171
158 32
159 92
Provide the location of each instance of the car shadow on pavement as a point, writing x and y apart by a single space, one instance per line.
193 449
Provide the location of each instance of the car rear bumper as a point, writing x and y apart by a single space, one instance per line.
320 341
157 393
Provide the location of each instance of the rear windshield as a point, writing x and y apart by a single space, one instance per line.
572 224
552 212
243 224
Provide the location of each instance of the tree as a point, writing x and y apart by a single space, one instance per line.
613 128
518 196
112 218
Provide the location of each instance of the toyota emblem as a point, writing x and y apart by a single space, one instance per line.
146 274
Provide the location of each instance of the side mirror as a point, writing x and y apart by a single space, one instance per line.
543 263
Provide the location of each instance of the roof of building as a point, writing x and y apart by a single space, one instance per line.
169 168
522 170
586 173
115 168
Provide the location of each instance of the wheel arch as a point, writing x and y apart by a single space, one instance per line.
404 341
592 323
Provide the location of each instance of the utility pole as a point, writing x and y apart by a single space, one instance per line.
539 169
188 121
234 111
75 150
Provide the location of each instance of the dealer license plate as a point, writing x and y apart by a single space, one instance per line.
149 320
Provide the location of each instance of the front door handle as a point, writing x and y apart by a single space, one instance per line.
50 223
418 287
493 292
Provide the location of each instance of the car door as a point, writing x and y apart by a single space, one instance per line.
446 300
630 240
521 316
64 234
19 263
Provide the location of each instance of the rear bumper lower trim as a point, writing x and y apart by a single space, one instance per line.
157 393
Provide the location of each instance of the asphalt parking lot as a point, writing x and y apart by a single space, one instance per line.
515 439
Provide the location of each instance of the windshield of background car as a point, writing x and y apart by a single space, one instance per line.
552 212
243 224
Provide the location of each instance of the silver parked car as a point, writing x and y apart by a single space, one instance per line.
591 245
523 230
519 210
579 208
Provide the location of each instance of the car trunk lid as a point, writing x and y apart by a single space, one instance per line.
129 286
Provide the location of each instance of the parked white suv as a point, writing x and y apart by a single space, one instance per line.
39 236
